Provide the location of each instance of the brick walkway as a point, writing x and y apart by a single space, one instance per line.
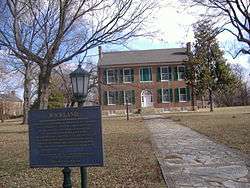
189 159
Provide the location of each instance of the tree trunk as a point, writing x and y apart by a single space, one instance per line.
43 86
27 93
211 99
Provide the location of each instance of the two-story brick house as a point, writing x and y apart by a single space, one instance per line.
146 78
10 105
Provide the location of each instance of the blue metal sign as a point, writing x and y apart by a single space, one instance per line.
69 137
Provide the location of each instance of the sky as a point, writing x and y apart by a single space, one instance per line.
174 30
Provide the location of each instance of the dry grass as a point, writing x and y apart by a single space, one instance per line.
230 126
129 160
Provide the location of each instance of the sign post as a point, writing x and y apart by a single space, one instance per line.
68 137
66 177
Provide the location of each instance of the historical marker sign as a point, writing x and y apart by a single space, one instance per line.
66 137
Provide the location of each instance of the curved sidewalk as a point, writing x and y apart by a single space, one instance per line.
189 159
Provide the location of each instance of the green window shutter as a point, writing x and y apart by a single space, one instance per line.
175 73
159 95
132 75
176 94
141 75
116 75
185 74
170 73
171 94
116 97
145 74
121 97
105 98
150 74
188 94
120 75
104 76
158 75
133 96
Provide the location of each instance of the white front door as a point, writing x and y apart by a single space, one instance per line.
146 98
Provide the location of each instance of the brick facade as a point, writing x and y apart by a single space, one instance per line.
10 105
138 86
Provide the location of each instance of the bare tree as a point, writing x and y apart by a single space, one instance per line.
241 84
234 17
61 82
28 72
9 78
51 32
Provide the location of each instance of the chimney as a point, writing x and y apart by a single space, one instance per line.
188 47
100 52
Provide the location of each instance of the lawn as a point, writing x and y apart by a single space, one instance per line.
229 126
129 160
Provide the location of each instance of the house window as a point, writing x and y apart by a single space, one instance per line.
182 94
165 95
127 75
181 72
164 74
111 76
145 74
128 96
111 97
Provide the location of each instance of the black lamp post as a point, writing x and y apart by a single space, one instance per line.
80 85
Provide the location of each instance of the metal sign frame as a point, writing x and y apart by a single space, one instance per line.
69 137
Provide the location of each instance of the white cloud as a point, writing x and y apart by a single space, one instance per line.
175 29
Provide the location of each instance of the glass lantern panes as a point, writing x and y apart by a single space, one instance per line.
80 82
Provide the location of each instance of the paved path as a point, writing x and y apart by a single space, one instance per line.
189 159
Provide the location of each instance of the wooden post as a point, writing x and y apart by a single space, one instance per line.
1 112
211 99
127 109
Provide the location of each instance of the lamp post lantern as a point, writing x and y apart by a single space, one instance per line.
80 82
80 85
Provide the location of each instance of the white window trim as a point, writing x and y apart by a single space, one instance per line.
162 95
178 71
161 74
140 75
108 98
124 74
124 97
108 76
180 93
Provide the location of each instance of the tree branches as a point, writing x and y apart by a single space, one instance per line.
60 30
51 32
235 12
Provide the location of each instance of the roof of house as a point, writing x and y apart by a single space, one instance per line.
144 56
10 97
